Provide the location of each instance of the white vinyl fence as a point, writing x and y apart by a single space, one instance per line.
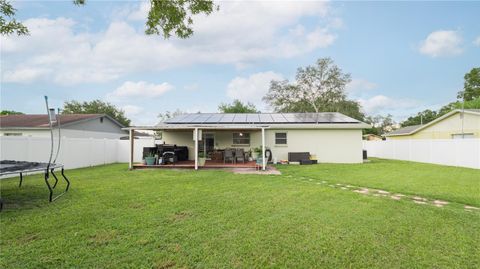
455 152
74 152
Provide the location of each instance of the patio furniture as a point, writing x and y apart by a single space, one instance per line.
169 157
217 155
229 155
239 155
259 163
298 156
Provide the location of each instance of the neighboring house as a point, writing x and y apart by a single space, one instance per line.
453 125
332 137
372 137
72 126
138 135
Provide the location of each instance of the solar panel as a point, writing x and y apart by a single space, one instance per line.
253 118
215 118
278 118
258 118
240 118
227 118
265 118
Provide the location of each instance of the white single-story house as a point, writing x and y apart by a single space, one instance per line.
72 126
331 137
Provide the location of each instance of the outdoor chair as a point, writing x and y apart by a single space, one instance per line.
239 155
229 155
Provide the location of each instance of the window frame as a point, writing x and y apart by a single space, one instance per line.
286 139
247 138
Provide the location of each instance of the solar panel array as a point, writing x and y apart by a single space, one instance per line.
260 118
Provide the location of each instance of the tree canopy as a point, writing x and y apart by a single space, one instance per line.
317 88
380 124
96 107
169 114
10 112
471 86
8 23
237 107
164 17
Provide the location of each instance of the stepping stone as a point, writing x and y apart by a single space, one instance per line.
438 205
400 195
394 197
349 186
419 202
338 184
343 188
440 202
419 198
362 191
471 207
383 192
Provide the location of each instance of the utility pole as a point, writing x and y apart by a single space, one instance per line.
463 114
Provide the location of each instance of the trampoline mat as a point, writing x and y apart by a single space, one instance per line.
8 166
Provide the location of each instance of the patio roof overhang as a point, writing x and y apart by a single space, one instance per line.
250 126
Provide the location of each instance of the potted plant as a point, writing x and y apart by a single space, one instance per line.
150 158
201 159
257 152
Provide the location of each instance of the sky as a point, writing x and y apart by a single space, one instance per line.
403 57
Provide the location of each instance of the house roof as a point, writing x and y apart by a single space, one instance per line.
41 121
260 118
409 130
256 121
405 130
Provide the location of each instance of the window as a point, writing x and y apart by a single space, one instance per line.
462 136
280 138
241 138
13 134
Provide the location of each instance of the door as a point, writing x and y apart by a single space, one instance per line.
208 144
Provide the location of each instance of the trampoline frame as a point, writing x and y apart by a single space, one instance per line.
46 168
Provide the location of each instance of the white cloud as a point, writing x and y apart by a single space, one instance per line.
252 88
384 104
25 75
191 87
241 33
132 110
477 41
442 43
140 89
360 85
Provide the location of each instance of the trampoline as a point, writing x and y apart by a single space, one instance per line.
9 167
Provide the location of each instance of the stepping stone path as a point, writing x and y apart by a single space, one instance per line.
382 193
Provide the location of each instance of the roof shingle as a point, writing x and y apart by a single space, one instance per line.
40 121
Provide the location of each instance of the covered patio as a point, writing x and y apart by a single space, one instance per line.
184 135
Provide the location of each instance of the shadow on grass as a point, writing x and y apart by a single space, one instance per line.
32 194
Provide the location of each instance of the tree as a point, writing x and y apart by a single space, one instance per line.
317 88
168 115
423 117
380 124
10 112
471 86
8 23
175 16
164 17
237 107
96 107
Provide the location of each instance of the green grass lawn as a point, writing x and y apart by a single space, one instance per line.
114 218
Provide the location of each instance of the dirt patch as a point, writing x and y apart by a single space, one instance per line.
180 216
253 171
102 238
28 238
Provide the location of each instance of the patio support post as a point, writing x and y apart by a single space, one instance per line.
130 162
263 149
195 138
